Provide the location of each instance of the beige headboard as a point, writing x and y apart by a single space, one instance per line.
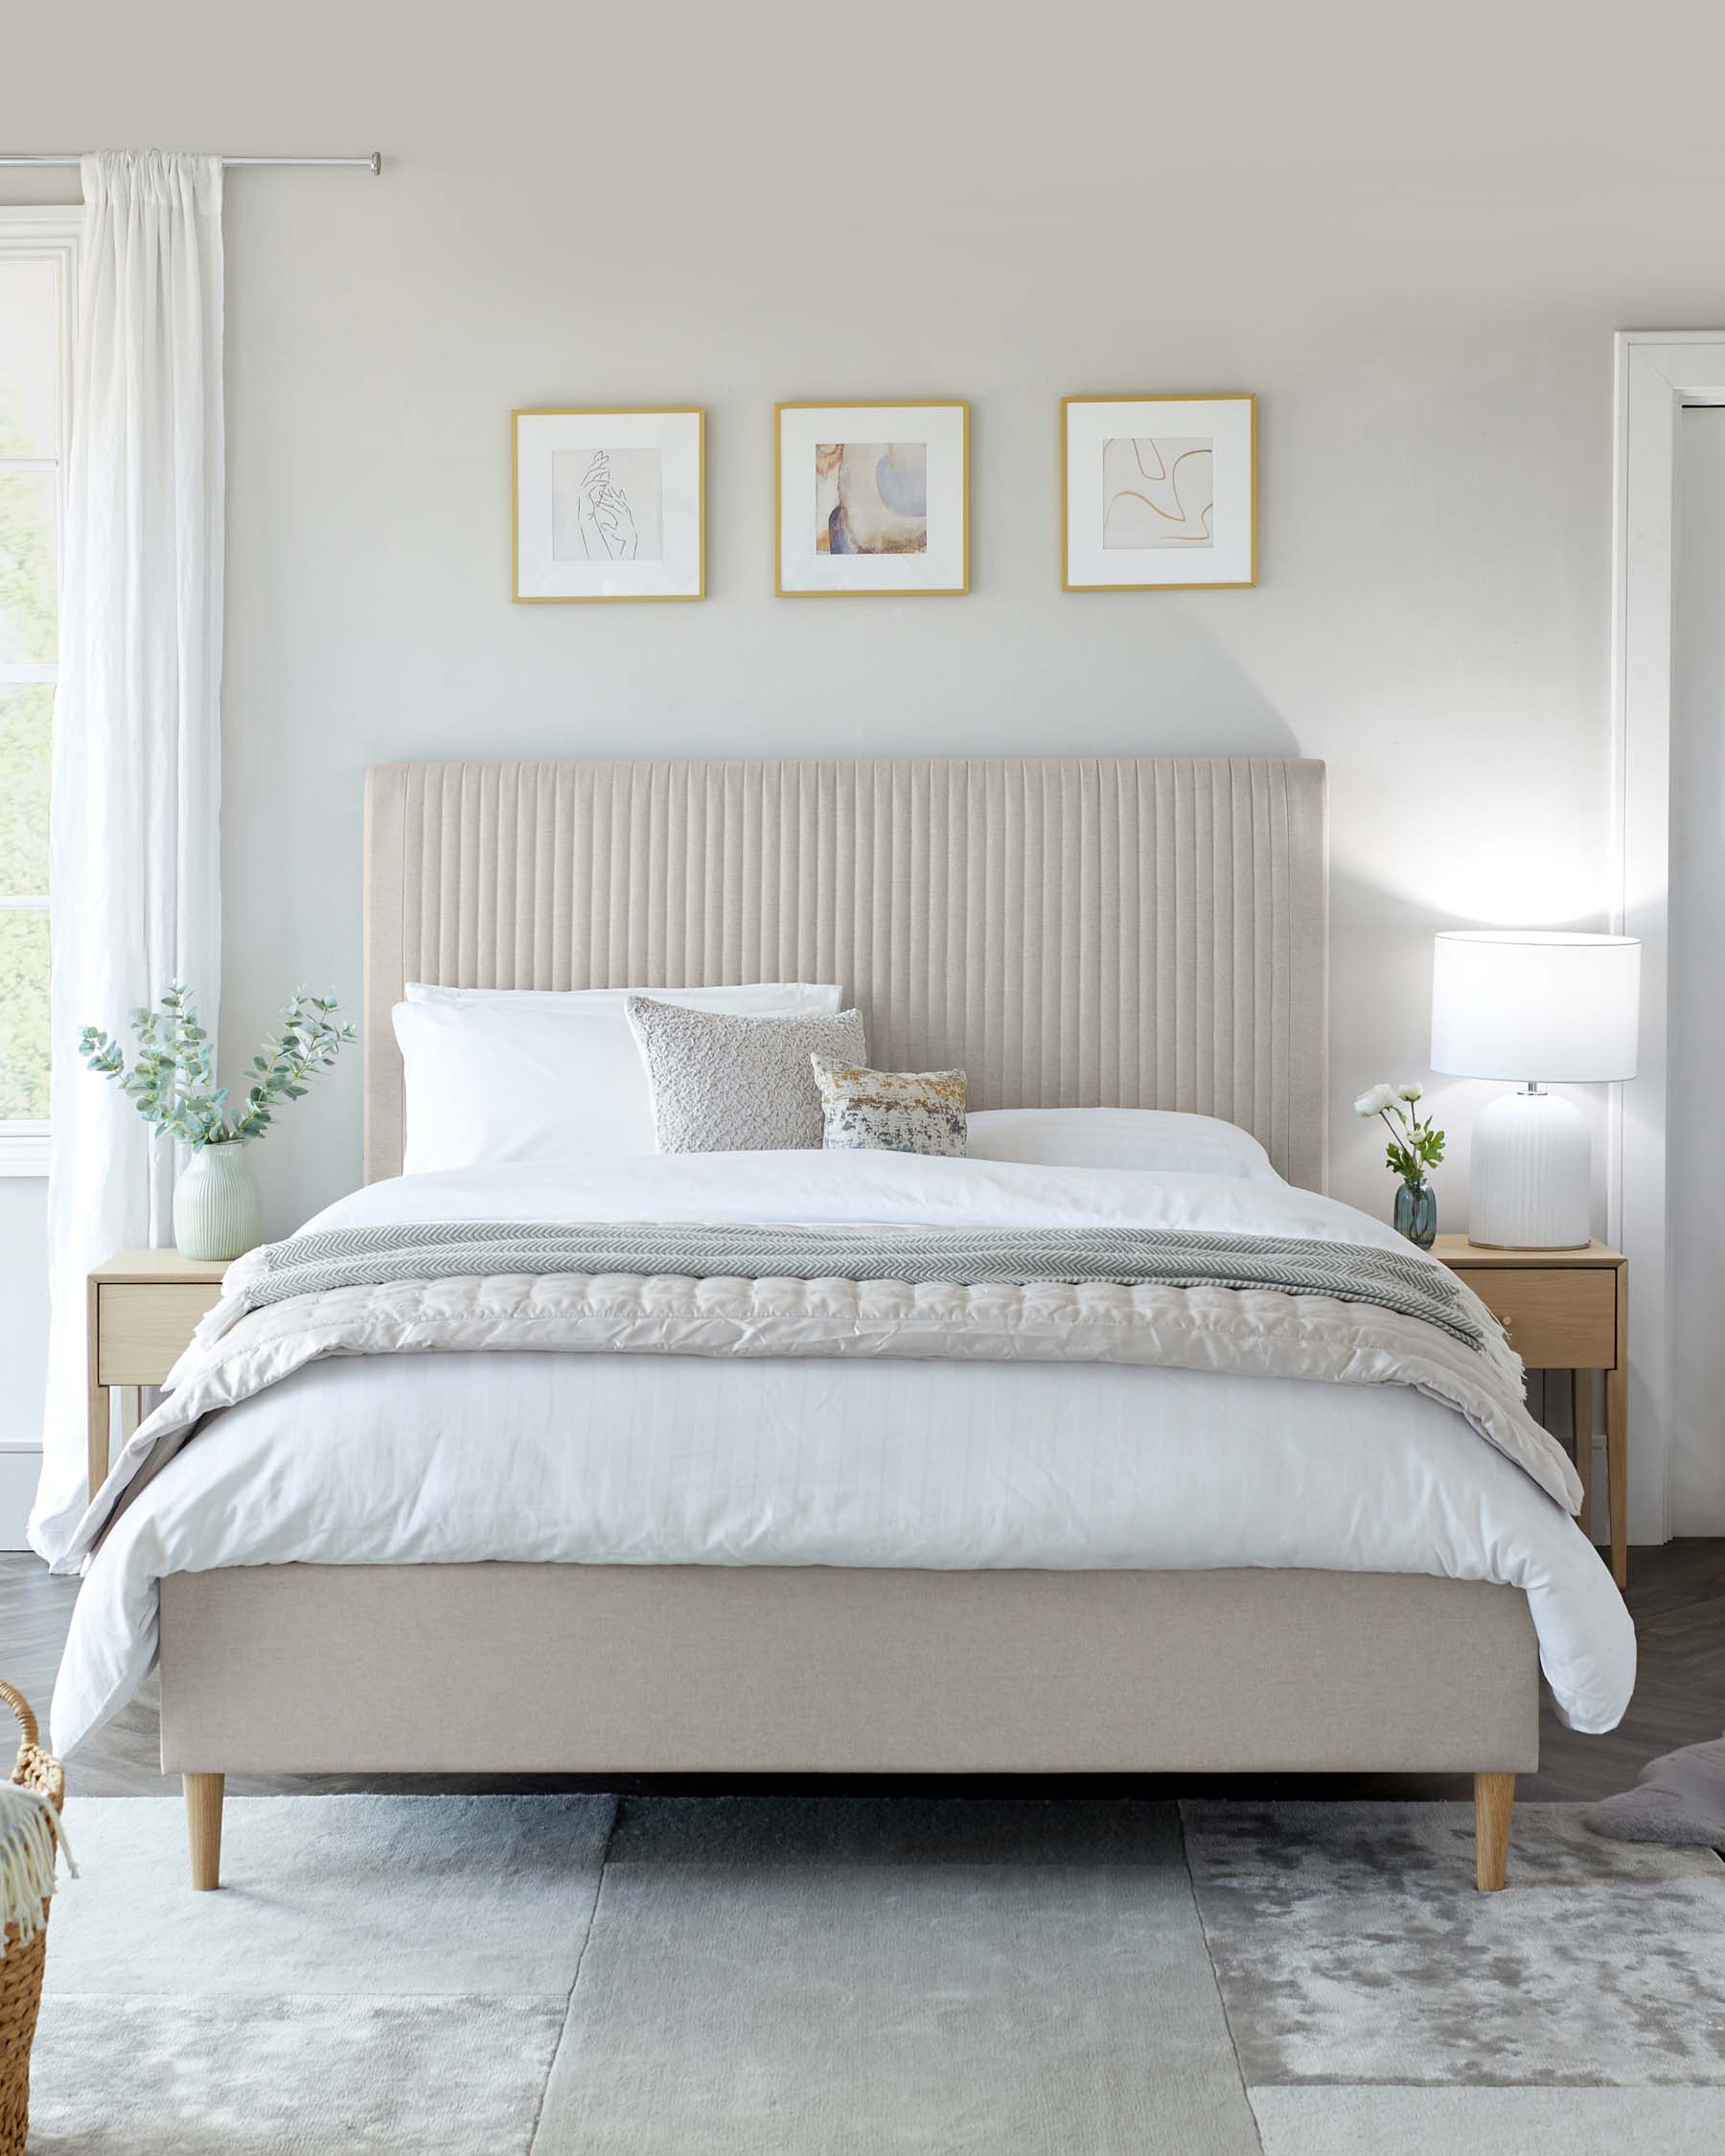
1142 932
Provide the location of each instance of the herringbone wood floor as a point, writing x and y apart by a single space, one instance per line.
1677 1594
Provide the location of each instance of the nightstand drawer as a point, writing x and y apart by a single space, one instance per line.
142 1331
1557 1321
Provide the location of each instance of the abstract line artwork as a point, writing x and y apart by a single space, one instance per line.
1158 491
871 497
606 505
1161 492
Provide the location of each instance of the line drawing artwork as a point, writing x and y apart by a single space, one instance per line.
606 505
608 525
1158 491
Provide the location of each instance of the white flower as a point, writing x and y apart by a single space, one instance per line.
1374 1100
1410 1091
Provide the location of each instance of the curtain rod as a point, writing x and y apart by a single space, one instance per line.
373 164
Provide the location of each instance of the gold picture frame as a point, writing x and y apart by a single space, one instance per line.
947 420
682 506
1229 419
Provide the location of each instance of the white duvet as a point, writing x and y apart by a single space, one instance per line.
667 1459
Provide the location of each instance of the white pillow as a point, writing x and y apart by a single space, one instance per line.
1155 1139
527 1074
769 998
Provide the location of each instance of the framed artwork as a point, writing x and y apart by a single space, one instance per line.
1161 492
608 503
887 516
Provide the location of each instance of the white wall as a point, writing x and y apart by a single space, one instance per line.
1410 235
23 1347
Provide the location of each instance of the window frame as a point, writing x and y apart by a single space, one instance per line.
38 232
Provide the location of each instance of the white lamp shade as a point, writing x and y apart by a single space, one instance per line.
1535 1005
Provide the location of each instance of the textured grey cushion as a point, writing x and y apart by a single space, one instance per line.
890 1111
724 1083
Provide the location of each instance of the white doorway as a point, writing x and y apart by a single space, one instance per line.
1661 375
1696 1038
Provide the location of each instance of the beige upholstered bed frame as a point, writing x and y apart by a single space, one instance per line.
1137 932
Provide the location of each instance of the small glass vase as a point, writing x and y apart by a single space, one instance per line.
1416 1212
216 1214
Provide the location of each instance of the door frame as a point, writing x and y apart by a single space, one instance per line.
1657 372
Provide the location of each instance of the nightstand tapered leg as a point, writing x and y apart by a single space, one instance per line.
96 1462
95 1455
1581 1426
1616 1435
1617 1469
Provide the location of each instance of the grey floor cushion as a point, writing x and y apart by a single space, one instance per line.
1679 1796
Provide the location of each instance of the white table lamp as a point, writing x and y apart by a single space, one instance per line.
1545 1007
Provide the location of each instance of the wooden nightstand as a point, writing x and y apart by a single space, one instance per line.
144 1307
1567 1310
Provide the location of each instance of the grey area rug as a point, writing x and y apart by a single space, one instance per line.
830 1977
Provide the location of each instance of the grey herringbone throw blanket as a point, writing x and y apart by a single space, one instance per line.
349 1257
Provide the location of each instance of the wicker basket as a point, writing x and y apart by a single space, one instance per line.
21 1968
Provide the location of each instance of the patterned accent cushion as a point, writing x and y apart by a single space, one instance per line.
726 1084
890 1111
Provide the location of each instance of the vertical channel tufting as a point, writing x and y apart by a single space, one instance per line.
1117 941
1142 932
1015 883
434 870
984 930
1241 944
462 814
420 887
1205 897
1042 1069
495 795
1159 960
1271 949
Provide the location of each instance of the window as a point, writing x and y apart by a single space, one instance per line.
35 316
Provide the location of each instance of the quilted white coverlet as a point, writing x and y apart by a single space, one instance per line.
850 1422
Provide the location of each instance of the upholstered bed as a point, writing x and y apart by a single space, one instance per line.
1135 934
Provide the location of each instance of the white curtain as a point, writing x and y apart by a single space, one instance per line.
135 879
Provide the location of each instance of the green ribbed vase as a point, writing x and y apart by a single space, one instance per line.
216 1211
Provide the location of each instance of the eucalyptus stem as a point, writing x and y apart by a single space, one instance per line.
172 1082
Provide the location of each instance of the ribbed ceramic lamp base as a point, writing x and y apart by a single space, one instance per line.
1533 1176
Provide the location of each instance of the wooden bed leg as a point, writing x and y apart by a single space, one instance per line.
1494 1797
203 1828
